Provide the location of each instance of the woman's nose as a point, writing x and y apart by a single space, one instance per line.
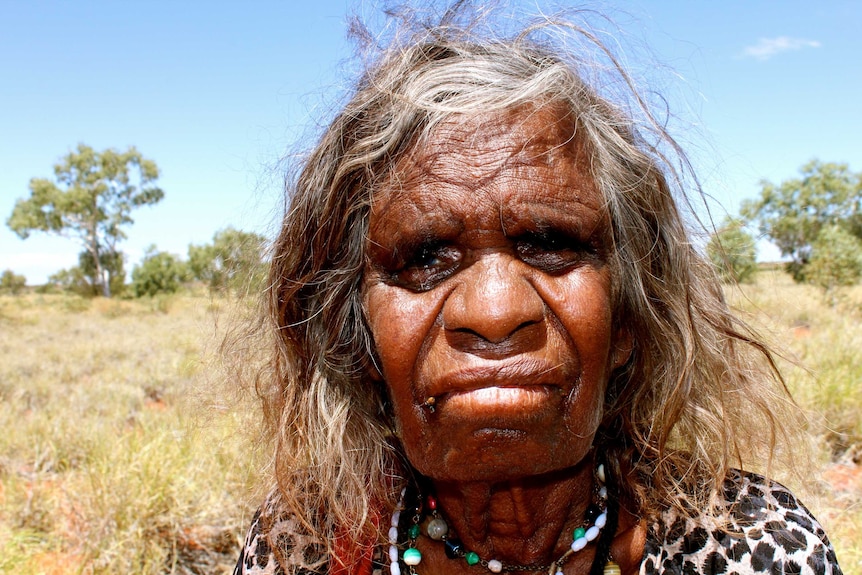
493 300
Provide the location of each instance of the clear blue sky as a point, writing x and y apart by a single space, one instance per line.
217 92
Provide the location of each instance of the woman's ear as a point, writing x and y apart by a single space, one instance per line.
622 347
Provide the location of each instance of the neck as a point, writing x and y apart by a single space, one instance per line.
526 521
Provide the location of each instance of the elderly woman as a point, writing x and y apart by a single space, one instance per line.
495 348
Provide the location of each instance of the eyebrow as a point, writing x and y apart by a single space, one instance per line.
442 224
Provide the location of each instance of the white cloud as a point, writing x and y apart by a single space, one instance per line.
766 48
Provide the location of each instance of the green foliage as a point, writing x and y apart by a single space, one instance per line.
84 279
158 273
732 251
233 262
72 280
792 213
112 263
836 259
91 199
12 283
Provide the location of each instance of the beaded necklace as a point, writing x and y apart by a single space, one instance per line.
595 519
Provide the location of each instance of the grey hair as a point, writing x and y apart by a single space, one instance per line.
673 414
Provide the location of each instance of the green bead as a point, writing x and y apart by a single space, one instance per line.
471 558
412 556
414 531
580 532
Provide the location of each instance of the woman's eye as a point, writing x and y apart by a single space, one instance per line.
427 258
552 252
427 266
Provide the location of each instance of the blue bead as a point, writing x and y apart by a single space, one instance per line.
454 548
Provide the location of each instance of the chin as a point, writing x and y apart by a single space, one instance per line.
498 454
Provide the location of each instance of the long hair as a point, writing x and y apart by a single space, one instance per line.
675 414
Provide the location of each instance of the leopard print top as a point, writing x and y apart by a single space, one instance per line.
770 532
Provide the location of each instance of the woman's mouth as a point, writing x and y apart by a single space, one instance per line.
519 387
505 377
520 398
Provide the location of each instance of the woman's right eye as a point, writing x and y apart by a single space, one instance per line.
426 266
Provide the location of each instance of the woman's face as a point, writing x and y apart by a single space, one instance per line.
488 293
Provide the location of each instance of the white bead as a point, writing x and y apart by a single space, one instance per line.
494 566
395 568
412 559
592 533
579 544
393 535
559 572
437 529
603 492
602 520
395 518
600 472
393 554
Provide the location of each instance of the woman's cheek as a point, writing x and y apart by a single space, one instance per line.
400 322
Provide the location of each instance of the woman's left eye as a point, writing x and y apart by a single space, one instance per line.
552 252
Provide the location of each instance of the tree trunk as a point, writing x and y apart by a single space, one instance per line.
106 285
100 272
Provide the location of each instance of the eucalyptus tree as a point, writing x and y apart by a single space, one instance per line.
90 199
793 213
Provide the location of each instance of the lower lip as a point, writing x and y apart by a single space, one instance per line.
499 398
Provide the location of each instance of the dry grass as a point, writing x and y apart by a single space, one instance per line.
118 454
823 368
114 456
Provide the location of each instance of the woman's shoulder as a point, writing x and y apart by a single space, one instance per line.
766 529
272 529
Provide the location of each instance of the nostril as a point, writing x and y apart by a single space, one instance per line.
529 336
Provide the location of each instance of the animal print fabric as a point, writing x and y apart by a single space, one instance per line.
769 532
304 555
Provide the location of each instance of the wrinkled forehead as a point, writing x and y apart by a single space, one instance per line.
477 152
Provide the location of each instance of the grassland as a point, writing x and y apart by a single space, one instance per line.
122 450
118 451
823 368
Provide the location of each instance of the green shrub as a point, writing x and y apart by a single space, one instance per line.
731 250
234 262
158 273
83 279
12 283
836 259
